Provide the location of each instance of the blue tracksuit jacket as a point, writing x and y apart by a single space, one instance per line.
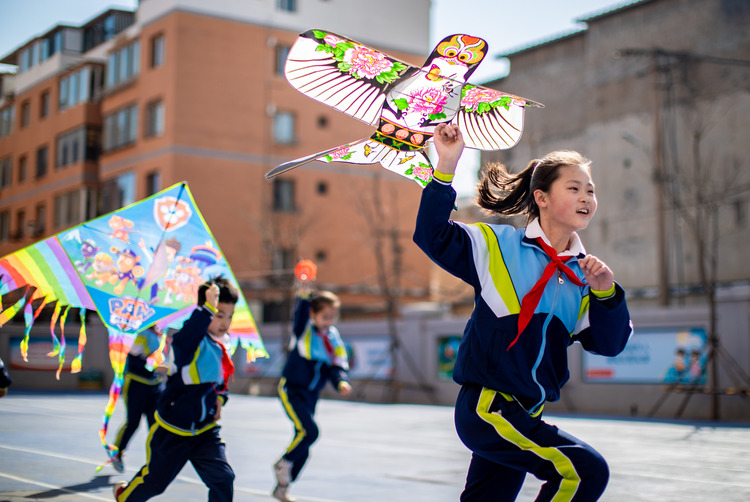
502 264
188 403
309 366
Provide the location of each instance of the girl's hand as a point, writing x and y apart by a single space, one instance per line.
597 273
449 144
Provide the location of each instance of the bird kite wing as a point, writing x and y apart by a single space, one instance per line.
342 73
491 119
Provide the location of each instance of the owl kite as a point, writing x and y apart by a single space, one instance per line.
404 102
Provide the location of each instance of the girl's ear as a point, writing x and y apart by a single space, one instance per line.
540 197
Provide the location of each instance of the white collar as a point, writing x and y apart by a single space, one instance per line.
575 247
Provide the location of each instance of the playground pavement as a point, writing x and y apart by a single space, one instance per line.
50 448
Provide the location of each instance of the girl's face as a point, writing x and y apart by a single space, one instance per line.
570 203
324 318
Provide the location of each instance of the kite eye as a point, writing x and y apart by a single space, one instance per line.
464 56
451 53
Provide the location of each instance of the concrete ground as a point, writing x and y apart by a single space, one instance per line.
49 450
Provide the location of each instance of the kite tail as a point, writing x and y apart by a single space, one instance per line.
55 342
114 393
9 313
157 356
119 346
61 356
75 365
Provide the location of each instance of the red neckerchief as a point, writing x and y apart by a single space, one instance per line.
531 300
227 365
326 342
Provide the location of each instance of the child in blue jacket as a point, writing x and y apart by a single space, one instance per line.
186 427
317 355
536 292
141 389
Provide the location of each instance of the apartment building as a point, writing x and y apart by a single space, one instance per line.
101 115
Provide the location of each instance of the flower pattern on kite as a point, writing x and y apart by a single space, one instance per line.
404 102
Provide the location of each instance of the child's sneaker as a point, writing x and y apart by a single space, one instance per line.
118 488
117 463
279 493
283 471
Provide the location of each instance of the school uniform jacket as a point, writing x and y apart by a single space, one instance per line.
502 264
311 361
137 365
188 403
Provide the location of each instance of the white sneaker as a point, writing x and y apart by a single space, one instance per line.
283 471
118 488
117 463
280 493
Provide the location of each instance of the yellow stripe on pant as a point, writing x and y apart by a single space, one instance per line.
300 432
138 480
506 430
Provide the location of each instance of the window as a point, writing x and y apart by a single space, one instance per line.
68 209
282 51
6 172
287 5
20 224
40 221
122 65
25 57
120 128
41 161
283 195
153 183
43 49
322 188
22 168
70 147
322 122
320 255
7 117
118 192
44 105
155 119
25 114
283 128
157 51
75 88
282 259
4 226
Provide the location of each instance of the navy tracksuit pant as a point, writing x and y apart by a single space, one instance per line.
299 404
167 453
140 399
507 443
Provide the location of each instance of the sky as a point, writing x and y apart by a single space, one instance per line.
506 25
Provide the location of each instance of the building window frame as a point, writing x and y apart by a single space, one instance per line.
158 50
283 127
154 125
283 195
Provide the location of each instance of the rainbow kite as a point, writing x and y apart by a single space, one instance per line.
137 267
